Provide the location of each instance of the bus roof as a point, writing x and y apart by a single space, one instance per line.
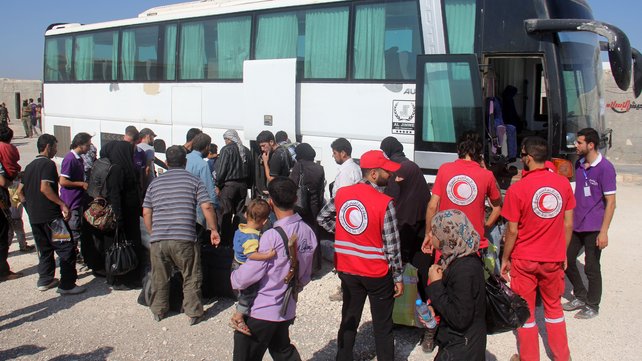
186 10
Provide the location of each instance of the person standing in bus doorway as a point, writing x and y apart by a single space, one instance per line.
539 211
367 254
73 189
48 215
198 167
232 180
26 119
595 188
277 160
269 317
189 138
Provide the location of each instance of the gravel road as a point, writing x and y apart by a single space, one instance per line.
102 324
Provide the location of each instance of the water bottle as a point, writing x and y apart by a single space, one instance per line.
425 314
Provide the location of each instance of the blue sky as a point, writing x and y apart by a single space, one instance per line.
23 25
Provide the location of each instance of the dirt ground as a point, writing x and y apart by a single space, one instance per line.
102 324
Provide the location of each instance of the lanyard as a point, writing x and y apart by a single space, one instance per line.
585 175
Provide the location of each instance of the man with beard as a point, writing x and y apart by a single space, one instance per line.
367 253
595 197
232 177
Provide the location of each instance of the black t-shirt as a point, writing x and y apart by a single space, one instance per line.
39 208
280 162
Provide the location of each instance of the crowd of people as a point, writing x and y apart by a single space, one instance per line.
380 212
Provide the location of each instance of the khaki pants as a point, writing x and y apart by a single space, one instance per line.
186 256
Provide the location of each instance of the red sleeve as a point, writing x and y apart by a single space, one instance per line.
437 187
493 189
510 210
571 198
9 156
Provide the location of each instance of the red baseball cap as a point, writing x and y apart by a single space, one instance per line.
377 159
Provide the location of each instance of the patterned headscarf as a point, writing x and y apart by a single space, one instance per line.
232 135
457 236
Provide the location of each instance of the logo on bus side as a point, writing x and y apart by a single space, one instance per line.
547 202
353 217
403 117
623 107
461 190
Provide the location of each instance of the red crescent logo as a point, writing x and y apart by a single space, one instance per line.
456 189
347 216
547 198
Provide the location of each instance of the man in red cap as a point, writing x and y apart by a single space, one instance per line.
367 253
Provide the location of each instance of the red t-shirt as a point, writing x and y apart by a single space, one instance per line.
464 185
537 203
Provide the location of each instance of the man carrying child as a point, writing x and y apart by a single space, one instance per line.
274 309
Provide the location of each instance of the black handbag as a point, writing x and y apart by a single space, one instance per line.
121 257
505 310
302 193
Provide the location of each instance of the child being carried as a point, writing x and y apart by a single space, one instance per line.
246 245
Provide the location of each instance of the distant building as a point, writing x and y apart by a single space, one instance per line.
14 91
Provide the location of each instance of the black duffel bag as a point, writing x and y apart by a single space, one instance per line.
505 310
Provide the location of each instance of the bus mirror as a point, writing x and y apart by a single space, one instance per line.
637 72
618 47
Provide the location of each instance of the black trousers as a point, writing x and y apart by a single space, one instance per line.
232 198
380 293
266 335
4 245
66 250
592 268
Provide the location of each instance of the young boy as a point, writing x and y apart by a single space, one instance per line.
16 210
246 245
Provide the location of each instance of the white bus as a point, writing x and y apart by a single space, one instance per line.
419 70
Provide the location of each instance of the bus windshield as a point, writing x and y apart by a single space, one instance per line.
582 83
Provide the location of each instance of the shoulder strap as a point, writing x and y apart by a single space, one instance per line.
284 237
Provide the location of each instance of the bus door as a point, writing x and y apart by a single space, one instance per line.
270 97
449 103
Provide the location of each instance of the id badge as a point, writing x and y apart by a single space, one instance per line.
587 191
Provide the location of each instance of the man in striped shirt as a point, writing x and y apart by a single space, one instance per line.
169 211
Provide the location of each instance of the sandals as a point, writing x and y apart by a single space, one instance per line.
241 327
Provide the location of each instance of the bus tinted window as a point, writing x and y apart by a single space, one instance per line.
319 38
214 49
386 41
460 22
449 102
169 53
96 56
58 58
139 54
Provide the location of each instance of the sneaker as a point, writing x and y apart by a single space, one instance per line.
159 317
586 313
428 341
11 276
74 291
27 248
337 296
52 284
576 304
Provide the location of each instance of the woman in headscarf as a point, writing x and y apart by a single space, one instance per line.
124 197
457 290
310 178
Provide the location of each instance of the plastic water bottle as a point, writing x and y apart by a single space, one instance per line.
425 314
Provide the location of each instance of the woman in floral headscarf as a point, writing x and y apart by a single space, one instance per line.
457 289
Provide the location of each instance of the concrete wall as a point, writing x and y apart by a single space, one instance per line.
624 116
26 88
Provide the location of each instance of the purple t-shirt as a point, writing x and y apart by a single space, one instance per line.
591 185
73 169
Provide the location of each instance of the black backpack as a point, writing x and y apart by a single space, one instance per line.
98 179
